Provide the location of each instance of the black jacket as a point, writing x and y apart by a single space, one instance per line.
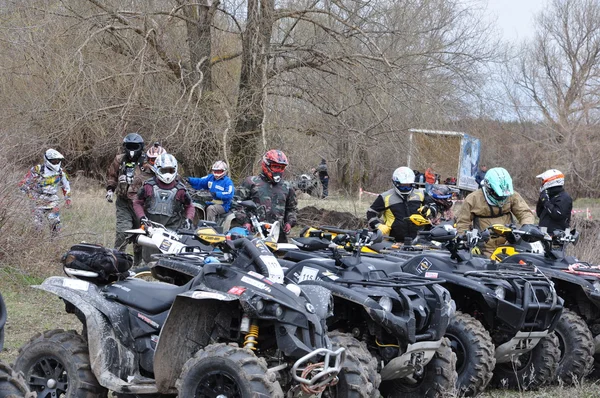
555 213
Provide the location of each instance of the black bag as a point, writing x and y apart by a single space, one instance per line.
109 264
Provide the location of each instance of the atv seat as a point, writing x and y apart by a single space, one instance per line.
148 297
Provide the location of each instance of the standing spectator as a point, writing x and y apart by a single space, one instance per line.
41 185
480 175
495 203
390 211
221 188
554 205
430 177
125 177
270 190
321 169
164 199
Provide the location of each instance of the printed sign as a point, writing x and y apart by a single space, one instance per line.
308 274
469 163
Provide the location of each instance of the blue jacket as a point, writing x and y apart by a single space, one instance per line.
220 189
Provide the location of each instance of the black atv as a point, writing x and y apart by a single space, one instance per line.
502 330
401 320
228 332
578 283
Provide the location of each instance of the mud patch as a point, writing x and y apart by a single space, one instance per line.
313 216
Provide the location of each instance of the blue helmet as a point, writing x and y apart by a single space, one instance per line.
497 186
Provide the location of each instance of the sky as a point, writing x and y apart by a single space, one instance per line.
515 17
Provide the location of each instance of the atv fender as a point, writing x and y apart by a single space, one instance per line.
188 328
111 361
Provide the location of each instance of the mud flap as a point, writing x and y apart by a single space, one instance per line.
189 327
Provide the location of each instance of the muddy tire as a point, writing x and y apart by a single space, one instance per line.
58 362
437 381
474 350
221 369
576 347
12 384
530 370
359 377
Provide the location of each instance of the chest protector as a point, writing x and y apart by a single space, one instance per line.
163 201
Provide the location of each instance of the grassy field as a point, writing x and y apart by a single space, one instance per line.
27 258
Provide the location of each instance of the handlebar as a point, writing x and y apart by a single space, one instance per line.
255 255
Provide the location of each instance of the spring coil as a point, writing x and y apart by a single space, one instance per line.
251 339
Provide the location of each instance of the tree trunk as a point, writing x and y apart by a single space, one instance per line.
253 79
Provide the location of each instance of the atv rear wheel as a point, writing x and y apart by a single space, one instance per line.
359 377
225 370
437 381
576 347
474 350
58 362
12 383
530 370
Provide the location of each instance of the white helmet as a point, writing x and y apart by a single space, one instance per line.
219 169
404 180
52 159
551 178
165 168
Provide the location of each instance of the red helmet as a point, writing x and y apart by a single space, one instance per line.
274 163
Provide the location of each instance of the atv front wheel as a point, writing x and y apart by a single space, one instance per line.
437 380
531 370
57 364
224 370
12 383
359 377
576 347
474 350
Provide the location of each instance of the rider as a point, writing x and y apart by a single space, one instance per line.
554 205
41 185
220 186
164 199
271 191
399 203
125 177
153 153
494 203
442 196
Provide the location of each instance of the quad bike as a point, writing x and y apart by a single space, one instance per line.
199 199
12 383
401 320
578 283
228 332
502 330
308 184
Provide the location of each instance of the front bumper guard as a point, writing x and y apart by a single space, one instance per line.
303 370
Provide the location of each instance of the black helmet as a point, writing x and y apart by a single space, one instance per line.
442 195
133 145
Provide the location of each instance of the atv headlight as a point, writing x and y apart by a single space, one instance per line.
596 285
386 303
500 292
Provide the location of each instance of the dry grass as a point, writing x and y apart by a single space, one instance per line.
32 257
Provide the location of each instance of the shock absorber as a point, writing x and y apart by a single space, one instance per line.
251 339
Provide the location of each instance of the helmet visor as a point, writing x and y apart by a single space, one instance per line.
404 187
277 167
133 146
167 170
218 173
500 199
54 161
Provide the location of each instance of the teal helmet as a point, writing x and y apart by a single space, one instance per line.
497 186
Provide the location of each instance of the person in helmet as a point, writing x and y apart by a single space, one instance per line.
271 191
494 203
164 199
153 153
391 209
41 185
442 197
554 205
125 177
220 186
